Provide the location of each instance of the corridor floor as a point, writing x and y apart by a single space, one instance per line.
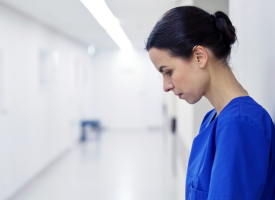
118 166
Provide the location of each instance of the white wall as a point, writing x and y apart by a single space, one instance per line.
40 113
128 91
212 5
185 123
253 60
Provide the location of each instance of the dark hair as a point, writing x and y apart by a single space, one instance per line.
182 28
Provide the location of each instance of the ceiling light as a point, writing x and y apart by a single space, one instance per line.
108 21
91 50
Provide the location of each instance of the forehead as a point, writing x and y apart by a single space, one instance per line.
159 57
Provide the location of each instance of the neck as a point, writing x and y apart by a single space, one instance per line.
222 87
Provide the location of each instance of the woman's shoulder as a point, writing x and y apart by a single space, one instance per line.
244 108
246 113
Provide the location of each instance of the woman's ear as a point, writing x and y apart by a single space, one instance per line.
200 55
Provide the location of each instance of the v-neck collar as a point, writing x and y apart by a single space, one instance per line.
212 114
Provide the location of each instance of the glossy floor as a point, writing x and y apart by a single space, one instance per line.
118 166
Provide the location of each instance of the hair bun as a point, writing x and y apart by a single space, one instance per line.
224 24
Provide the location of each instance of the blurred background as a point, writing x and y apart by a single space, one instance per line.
82 110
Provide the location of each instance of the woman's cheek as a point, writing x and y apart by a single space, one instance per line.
178 81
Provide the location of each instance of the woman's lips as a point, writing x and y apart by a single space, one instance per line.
180 95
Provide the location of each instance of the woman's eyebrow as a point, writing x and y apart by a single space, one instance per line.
161 69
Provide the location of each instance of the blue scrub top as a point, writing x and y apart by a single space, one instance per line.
233 157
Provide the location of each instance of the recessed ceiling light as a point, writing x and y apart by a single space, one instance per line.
91 50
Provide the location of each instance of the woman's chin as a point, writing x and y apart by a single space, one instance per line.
193 100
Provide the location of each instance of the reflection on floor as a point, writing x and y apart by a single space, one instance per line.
118 166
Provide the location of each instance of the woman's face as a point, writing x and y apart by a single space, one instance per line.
187 79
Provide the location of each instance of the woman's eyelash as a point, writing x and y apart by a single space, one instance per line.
169 73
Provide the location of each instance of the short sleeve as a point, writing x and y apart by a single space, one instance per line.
241 161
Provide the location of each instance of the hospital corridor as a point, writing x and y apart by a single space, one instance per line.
83 112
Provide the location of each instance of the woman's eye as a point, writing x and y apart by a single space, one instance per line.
169 73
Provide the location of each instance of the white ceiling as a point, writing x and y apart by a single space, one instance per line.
71 18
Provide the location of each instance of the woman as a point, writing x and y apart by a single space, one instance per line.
233 156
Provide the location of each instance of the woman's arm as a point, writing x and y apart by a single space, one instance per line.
241 161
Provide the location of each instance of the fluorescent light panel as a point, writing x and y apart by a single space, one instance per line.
108 21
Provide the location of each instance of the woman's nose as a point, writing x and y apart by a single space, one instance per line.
167 86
